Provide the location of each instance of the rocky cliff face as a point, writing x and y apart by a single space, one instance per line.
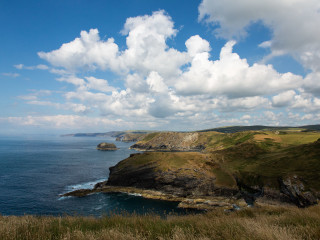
294 189
170 141
262 170
176 174
130 137
183 181
186 174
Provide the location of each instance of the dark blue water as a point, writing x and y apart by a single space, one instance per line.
35 170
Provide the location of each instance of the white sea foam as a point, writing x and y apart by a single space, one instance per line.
85 185
62 198
134 194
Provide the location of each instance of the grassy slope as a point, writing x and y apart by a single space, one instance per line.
275 156
258 223
183 162
268 154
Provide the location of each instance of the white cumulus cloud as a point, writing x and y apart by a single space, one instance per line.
88 51
283 99
294 24
162 86
233 76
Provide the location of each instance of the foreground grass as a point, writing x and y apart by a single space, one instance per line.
256 223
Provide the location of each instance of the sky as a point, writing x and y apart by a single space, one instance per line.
96 66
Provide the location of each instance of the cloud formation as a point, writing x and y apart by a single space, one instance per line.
233 77
165 86
294 25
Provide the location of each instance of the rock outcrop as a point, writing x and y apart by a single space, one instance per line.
106 146
131 137
294 189
170 142
167 176
244 170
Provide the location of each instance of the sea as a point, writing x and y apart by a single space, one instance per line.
36 169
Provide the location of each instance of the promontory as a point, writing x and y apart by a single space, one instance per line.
209 169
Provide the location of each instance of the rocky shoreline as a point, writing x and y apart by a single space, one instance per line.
198 203
174 167
194 188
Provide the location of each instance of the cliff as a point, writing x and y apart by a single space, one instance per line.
131 137
256 166
246 170
180 174
169 141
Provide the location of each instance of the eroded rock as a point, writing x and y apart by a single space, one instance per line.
106 146
294 189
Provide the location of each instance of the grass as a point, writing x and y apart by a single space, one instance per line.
165 160
149 136
296 138
223 178
215 140
266 222
268 154
288 138
269 161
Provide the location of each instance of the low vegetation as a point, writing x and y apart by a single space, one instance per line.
260 222
258 157
268 154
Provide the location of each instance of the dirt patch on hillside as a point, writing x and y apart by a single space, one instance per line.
264 137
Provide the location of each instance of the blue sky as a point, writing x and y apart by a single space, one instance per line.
86 66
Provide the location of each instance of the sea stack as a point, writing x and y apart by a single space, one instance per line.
107 146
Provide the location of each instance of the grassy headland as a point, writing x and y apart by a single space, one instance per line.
283 165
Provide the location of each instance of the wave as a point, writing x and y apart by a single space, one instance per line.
134 194
85 185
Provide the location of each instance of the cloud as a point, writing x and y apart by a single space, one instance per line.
312 83
62 121
40 66
156 83
294 25
14 75
196 45
161 107
88 51
283 99
270 115
232 76
146 49
164 87
146 45
242 104
73 80
98 84
35 94
77 108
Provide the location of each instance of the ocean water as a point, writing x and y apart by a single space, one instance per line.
35 170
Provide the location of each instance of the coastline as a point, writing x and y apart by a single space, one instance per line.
198 203
178 167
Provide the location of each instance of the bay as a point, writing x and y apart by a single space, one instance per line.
35 170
